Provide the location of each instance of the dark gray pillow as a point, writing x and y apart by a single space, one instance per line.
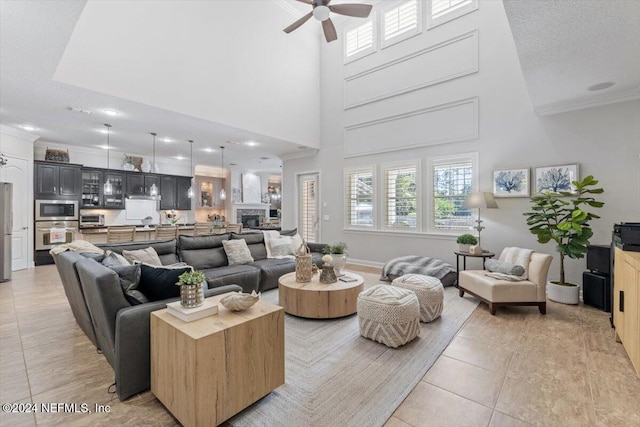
92 255
498 266
129 276
114 260
289 232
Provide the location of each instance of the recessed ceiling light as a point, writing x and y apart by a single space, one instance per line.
180 157
251 143
28 128
79 110
102 130
110 112
600 86
167 140
208 150
264 158
233 164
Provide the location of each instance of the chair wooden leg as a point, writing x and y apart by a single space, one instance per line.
492 309
542 307
461 292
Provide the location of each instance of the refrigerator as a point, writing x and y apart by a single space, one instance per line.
6 226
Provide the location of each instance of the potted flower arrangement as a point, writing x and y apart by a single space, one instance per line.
465 241
562 217
338 253
191 289
3 160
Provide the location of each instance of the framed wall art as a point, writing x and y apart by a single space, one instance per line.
556 178
511 182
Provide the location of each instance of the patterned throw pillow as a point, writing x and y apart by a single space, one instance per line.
282 246
237 252
147 255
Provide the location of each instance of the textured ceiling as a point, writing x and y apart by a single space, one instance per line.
569 45
33 37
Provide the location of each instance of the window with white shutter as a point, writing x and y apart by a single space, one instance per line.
401 207
359 41
400 21
452 179
441 11
308 220
360 191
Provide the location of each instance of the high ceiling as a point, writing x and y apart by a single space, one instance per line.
33 38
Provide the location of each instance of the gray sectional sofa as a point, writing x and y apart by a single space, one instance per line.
121 330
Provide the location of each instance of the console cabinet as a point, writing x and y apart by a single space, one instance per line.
626 303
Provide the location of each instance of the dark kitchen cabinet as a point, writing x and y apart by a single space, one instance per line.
92 184
116 199
174 192
54 181
139 184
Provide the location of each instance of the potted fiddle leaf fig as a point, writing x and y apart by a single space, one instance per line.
564 218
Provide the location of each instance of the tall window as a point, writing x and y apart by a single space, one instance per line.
400 22
359 192
452 179
401 201
359 41
441 11
308 207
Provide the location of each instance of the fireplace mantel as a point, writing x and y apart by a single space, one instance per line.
261 209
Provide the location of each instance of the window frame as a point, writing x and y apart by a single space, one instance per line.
347 197
384 43
449 16
384 222
374 37
432 162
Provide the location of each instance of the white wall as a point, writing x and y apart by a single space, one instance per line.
225 61
605 141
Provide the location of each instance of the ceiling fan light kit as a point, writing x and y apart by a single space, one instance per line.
321 12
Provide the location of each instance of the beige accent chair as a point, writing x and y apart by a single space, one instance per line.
498 293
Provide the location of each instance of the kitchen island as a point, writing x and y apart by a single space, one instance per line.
99 234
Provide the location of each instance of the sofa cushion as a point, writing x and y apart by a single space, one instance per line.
113 259
255 242
166 249
203 252
129 276
158 283
271 269
289 232
237 252
246 276
146 255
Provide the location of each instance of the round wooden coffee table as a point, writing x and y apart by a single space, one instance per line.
316 300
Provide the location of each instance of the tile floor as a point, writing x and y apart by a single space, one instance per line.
514 369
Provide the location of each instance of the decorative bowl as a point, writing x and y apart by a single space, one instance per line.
146 221
239 301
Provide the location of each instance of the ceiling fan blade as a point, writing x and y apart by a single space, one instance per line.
329 31
305 1
299 22
357 10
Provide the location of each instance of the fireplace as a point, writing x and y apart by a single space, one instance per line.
250 221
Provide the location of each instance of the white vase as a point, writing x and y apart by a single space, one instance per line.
463 247
563 294
146 166
339 261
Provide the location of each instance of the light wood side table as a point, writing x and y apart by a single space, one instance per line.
317 300
208 370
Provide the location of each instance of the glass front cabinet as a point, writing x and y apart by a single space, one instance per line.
208 195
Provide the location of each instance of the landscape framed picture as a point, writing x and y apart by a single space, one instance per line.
556 178
511 182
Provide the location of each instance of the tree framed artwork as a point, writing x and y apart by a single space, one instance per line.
556 178
511 182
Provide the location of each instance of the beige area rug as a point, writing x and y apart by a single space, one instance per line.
334 377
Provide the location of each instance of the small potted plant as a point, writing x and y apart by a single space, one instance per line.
465 241
191 288
339 255
562 217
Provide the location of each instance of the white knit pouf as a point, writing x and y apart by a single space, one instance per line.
389 315
429 291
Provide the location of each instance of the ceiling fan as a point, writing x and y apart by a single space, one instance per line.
321 11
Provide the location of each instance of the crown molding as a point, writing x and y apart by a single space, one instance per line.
307 152
587 102
18 133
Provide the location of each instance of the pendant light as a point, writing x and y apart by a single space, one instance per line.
190 193
153 190
108 187
223 194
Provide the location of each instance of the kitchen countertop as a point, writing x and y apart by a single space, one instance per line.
142 228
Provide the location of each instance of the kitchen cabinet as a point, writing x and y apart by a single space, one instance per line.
139 184
56 181
208 193
92 184
115 200
173 190
626 303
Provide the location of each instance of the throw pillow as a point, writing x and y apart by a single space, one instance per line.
282 247
147 255
158 283
517 256
237 251
497 266
296 242
114 260
268 235
129 276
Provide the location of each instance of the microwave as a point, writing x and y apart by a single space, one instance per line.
56 210
91 220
